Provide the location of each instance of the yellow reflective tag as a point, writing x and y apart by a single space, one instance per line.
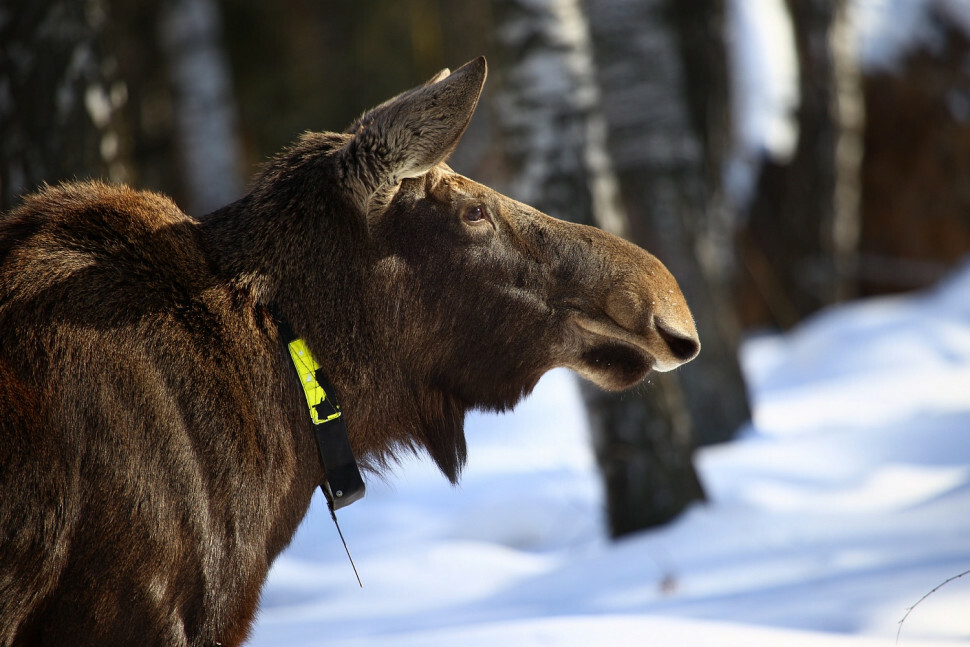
306 367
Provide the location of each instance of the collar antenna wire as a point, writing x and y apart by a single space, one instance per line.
343 483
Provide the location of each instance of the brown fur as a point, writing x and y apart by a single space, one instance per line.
156 455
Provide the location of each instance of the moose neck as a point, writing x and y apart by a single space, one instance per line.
294 244
313 264
311 268
303 263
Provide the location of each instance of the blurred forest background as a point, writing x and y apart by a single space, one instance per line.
627 114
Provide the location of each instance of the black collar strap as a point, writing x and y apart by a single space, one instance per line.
343 484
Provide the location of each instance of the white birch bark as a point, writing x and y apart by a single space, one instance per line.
206 121
555 139
549 108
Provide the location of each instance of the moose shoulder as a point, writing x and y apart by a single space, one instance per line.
156 452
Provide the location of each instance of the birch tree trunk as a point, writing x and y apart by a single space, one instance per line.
204 108
555 141
54 106
662 72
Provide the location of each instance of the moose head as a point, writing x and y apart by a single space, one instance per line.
450 295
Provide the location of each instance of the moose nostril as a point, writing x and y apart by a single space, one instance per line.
683 346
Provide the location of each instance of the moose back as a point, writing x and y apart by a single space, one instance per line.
156 454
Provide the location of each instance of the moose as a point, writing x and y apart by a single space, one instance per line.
156 452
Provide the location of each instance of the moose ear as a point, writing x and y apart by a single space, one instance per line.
409 134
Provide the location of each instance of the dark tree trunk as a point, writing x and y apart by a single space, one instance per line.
55 106
800 241
644 446
661 67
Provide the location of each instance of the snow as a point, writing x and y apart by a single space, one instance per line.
840 506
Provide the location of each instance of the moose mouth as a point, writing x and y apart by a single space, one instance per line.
612 357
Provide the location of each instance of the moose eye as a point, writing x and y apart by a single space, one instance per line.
475 214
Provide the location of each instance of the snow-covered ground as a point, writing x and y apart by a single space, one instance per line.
845 502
